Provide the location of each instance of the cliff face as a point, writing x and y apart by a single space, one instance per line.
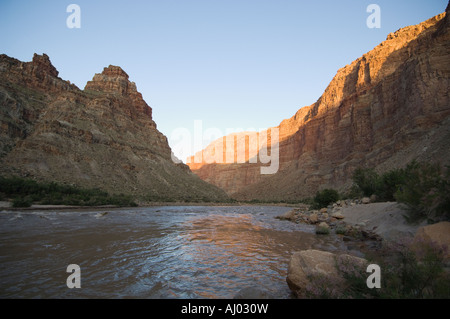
102 136
383 110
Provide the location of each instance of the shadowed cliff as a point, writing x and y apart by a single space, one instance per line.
103 136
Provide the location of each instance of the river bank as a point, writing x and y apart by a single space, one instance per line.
377 232
380 219
6 205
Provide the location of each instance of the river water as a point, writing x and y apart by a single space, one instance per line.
152 252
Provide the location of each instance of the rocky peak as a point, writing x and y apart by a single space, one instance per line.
115 72
52 131
113 79
39 74
42 63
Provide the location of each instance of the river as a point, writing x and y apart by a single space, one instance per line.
152 252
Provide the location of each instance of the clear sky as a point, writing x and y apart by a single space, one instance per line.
234 64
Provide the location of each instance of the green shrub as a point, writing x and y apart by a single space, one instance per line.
389 183
21 202
409 269
413 269
341 229
325 197
321 230
425 192
56 194
367 180
353 193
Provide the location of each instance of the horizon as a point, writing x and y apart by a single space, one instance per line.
234 66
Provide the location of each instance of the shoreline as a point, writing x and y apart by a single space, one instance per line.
4 206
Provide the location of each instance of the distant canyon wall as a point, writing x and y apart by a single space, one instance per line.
384 109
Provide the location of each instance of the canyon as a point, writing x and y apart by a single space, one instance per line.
382 111
385 109
100 137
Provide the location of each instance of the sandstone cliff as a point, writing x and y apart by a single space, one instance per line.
102 136
384 109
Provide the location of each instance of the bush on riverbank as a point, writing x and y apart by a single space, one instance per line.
422 187
425 192
25 192
414 269
367 182
22 202
324 198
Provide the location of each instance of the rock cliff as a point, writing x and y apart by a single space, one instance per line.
384 109
103 136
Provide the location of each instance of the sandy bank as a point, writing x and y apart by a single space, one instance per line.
385 219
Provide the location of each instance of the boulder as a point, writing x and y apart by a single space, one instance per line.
337 215
438 234
365 200
306 264
313 218
290 215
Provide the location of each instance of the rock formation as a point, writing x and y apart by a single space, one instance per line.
103 136
436 234
383 110
308 269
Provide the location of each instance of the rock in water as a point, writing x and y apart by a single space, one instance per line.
290 215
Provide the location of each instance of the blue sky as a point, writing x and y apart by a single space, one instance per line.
235 64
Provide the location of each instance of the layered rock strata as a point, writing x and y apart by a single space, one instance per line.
383 110
103 136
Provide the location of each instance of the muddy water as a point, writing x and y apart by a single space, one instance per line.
157 252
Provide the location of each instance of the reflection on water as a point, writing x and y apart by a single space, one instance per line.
158 252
